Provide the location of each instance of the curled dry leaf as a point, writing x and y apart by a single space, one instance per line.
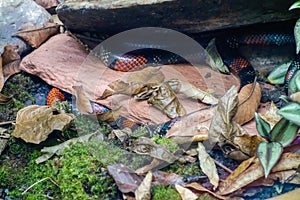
4 99
11 69
229 135
143 191
147 75
110 116
10 54
198 187
208 166
185 193
249 98
251 170
83 103
36 35
192 91
1 75
34 123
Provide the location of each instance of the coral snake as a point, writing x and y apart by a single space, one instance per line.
227 47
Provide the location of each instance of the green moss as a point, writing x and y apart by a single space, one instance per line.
184 169
160 192
172 146
85 125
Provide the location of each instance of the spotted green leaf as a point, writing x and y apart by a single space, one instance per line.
291 112
294 84
284 132
297 33
295 5
268 155
262 127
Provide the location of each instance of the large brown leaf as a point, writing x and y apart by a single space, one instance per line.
11 69
10 54
34 123
36 35
249 98
83 103
1 75
251 170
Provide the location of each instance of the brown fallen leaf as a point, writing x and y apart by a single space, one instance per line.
208 165
291 195
143 191
10 54
251 170
11 69
36 35
271 115
296 97
249 99
83 104
126 179
185 193
165 178
198 187
192 91
1 75
146 75
34 123
110 116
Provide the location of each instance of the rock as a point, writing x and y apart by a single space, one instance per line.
15 14
194 16
62 62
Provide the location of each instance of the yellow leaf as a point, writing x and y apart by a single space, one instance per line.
185 193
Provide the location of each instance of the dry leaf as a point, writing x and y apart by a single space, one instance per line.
198 187
146 75
126 179
185 193
249 99
11 69
34 123
83 104
208 166
10 54
48 152
291 195
110 116
192 91
36 35
143 191
155 164
1 75
165 178
166 100
251 170
296 97
271 115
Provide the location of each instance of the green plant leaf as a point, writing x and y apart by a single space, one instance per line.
278 74
291 112
295 5
294 84
297 33
262 127
268 155
284 132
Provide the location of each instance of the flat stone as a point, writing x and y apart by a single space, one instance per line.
194 16
15 14
62 62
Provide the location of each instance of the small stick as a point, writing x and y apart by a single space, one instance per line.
39 182
5 123
223 166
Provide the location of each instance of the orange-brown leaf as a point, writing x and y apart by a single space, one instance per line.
249 98
36 35
11 69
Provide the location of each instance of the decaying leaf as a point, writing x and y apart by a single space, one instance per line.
208 166
11 69
146 75
126 179
229 135
185 193
4 99
192 91
165 178
34 123
1 75
249 99
296 97
146 146
251 170
292 195
10 54
271 115
36 35
83 104
166 100
198 187
4 136
59 149
110 116
143 191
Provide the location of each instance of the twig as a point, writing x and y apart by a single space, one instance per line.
223 166
5 123
39 182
